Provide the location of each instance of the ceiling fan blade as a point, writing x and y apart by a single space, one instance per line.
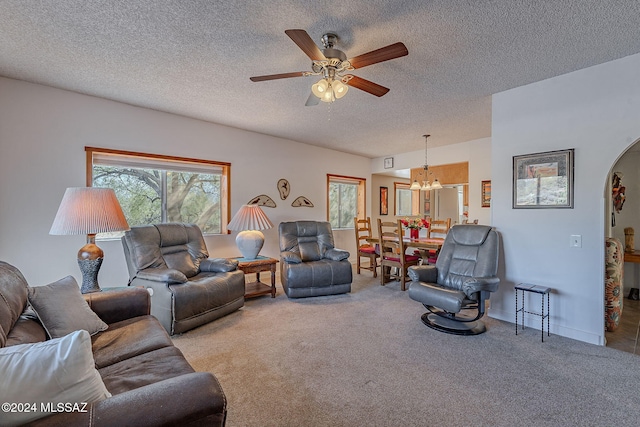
312 100
386 53
367 86
304 42
277 76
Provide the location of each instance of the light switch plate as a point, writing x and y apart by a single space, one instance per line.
575 241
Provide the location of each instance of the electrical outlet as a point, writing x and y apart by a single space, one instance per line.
575 241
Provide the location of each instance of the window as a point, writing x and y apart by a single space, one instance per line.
404 199
407 202
346 200
155 189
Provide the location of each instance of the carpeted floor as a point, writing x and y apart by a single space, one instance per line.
365 359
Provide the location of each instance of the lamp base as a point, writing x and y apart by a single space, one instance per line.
89 260
250 243
89 269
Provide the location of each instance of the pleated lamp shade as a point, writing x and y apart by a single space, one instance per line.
88 210
250 217
249 220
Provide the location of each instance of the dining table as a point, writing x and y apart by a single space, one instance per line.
419 243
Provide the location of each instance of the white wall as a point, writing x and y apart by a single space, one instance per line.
595 111
476 152
43 132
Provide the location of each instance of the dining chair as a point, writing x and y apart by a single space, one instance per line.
393 253
365 248
438 229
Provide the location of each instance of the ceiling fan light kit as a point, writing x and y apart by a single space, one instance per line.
334 67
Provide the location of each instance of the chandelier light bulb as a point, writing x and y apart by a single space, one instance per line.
320 89
339 89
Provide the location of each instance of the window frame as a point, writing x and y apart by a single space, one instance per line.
361 205
225 196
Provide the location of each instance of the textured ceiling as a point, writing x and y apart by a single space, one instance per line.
195 57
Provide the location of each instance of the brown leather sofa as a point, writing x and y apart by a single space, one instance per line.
150 381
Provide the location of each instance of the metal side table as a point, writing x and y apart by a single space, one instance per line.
542 291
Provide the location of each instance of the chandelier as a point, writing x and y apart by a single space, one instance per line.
426 186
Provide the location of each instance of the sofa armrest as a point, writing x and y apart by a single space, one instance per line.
336 254
119 304
191 399
478 284
162 274
218 265
290 257
423 273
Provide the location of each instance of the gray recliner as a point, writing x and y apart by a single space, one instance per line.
310 265
187 288
462 279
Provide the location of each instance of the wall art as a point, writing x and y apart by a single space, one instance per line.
262 200
543 180
384 201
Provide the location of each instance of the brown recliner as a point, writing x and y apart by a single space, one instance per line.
188 288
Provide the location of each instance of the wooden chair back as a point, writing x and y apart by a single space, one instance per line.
364 247
393 253
438 228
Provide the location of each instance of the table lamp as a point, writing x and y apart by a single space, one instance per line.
89 210
249 220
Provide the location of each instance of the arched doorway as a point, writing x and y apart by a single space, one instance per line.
620 216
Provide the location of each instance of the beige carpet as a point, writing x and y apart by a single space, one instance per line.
365 358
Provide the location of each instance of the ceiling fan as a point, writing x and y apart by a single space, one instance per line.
334 67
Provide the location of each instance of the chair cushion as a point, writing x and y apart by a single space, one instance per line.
61 309
147 368
367 249
128 338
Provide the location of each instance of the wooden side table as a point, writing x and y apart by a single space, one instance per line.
261 263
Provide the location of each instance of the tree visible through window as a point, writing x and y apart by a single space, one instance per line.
345 200
156 189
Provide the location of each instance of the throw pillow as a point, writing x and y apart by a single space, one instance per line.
46 374
61 309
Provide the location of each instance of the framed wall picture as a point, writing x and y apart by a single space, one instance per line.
486 194
384 201
543 180
388 162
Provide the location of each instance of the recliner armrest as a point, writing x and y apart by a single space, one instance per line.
162 274
478 284
115 305
291 257
336 254
180 400
218 265
423 273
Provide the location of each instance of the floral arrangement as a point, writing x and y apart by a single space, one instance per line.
415 223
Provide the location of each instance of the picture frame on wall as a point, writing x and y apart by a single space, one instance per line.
543 180
486 194
384 201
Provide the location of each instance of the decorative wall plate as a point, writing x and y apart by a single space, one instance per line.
302 202
283 188
262 200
